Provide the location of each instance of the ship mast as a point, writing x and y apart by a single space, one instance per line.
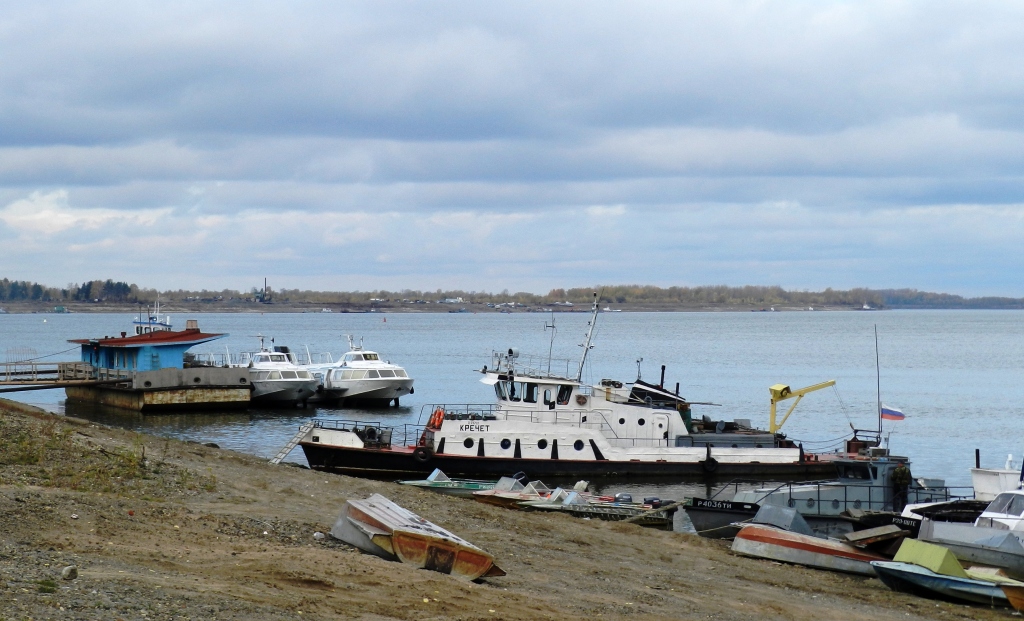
586 343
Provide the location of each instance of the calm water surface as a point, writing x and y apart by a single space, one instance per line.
956 374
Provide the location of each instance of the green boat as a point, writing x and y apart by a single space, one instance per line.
439 482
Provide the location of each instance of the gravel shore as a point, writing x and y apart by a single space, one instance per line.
162 529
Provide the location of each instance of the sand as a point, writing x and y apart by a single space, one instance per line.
162 529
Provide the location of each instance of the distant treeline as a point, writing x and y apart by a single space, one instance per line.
711 296
22 290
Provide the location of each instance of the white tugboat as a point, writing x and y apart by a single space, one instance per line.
550 424
361 375
152 321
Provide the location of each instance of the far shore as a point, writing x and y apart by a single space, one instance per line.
178 307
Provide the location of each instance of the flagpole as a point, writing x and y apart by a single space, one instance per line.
878 386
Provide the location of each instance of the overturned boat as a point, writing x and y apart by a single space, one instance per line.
382 528
781 534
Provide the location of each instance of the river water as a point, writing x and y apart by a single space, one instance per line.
957 375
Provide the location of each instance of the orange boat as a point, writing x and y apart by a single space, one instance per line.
1015 594
380 527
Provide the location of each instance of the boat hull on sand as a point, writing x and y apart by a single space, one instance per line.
762 541
380 527
916 580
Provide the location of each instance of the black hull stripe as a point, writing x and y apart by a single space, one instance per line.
370 462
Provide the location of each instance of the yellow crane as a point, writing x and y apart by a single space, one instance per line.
781 392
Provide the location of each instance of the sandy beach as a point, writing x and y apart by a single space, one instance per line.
163 529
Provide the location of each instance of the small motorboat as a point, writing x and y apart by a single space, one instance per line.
781 534
440 483
575 503
509 492
932 571
382 528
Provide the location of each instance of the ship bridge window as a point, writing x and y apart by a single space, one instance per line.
515 392
386 373
274 375
288 374
531 393
372 374
854 471
400 373
262 359
499 391
371 357
278 358
564 393
547 397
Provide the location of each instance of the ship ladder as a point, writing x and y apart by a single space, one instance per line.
303 430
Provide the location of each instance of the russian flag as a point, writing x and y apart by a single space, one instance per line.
889 413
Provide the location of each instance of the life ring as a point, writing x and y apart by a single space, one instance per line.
709 465
421 454
581 399
436 419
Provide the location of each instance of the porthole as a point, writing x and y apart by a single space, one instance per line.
835 503
759 445
622 421
792 502
578 445
810 503
661 426
856 504
468 443
542 444
242 381
641 422
735 446
506 443
147 383
197 380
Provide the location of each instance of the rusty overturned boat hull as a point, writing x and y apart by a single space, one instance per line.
378 526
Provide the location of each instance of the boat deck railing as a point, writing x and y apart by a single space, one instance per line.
533 365
374 433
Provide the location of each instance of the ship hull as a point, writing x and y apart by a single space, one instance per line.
388 461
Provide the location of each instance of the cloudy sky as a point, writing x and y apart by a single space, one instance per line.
485 146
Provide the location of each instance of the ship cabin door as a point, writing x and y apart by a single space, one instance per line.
660 422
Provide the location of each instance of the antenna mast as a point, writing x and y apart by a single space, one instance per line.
878 385
586 344
552 343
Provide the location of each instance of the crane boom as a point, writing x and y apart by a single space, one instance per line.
781 392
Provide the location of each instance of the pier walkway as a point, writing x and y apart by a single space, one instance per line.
30 375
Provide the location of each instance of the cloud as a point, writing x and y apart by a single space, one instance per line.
520 146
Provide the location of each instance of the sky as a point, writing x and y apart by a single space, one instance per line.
523 146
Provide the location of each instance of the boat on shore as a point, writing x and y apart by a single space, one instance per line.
795 543
550 423
653 512
440 483
378 526
932 571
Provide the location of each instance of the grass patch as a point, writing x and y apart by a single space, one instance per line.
46 586
44 453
